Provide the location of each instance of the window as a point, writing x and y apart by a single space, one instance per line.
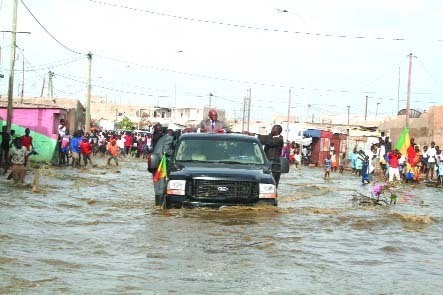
220 150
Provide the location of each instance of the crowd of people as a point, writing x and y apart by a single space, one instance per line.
77 149
413 164
291 151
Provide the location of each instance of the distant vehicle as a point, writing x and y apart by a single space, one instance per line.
141 132
217 170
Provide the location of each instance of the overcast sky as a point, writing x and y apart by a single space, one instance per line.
331 54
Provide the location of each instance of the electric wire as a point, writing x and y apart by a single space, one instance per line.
429 74
210 77
104 87
127 85
46 30
47 66
174 71
191 19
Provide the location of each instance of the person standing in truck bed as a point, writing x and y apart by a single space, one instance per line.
212 124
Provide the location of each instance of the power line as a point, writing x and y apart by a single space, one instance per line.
52 36
246 82
77 78
106 88
191 19
47 66
192 74
429 74
69 77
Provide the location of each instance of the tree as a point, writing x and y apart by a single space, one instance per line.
127 124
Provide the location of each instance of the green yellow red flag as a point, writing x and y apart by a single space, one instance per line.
403 142
161 170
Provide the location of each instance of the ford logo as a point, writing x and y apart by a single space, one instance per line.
222 189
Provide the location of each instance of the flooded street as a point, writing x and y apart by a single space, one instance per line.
96 231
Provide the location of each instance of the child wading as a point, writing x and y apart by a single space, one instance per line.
113 151
328 164
342 160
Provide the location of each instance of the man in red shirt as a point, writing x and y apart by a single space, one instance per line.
27 143
411 152
128 143
86 148
394 156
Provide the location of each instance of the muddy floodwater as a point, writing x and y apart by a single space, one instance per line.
96 231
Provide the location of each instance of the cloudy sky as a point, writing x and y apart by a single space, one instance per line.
330 54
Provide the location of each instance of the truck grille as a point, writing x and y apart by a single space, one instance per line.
222 189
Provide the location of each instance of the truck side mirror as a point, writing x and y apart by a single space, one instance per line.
154 161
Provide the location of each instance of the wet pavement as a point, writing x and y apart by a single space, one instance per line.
96 231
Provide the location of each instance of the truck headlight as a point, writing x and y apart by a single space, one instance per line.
267 191
176 187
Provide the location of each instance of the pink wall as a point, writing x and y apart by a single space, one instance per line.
44 121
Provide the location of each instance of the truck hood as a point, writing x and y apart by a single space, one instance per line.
257 173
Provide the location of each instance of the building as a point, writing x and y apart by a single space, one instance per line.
42 116
426 128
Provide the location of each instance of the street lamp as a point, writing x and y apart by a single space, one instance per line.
305 82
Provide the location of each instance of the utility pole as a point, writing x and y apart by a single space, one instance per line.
249 108
289 114
43 86
88 95
12 64
408 100
50 88
23 76
398 91
348 114
366 108
246 111
244 114
347 133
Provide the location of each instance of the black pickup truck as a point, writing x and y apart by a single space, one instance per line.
214 170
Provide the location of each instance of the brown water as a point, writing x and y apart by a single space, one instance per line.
96 231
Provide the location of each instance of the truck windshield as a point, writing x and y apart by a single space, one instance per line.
220 151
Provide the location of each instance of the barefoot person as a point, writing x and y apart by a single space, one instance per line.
113 151
17 155
328 164
27 143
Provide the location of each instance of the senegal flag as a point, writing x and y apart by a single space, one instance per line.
403 142
161 170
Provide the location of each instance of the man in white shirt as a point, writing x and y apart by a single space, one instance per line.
121 146
17 154
432 153
62 128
